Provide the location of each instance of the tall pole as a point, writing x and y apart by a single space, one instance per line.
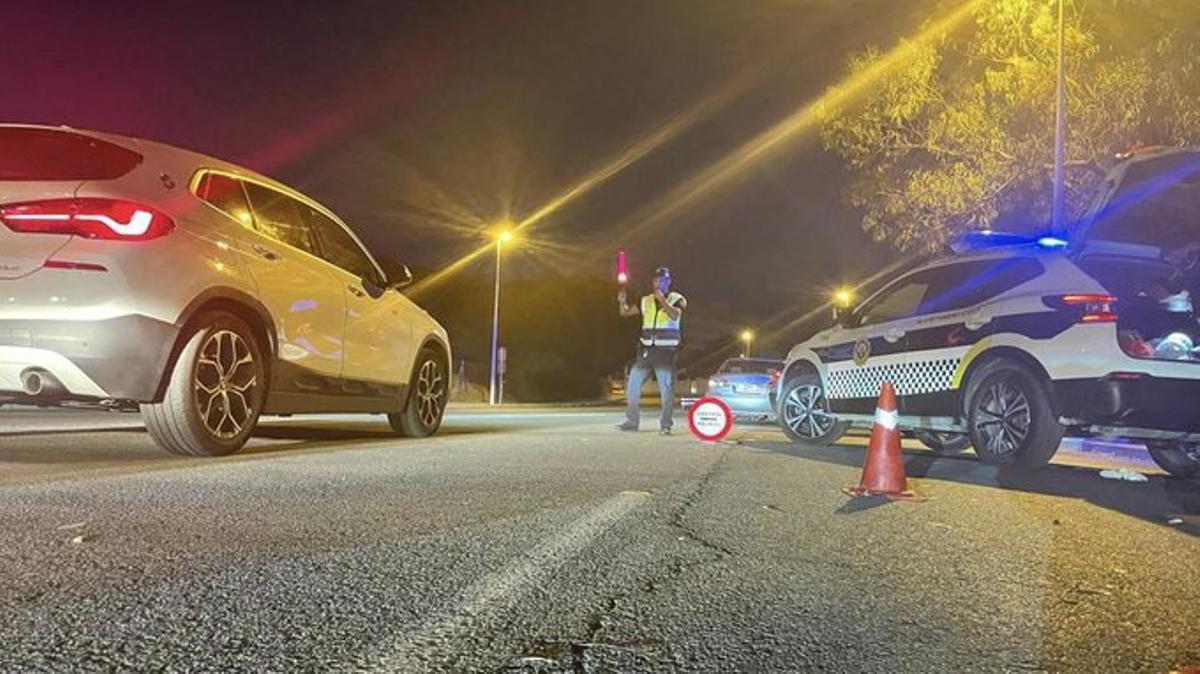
1060 125
495 325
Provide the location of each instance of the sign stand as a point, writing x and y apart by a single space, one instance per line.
501 370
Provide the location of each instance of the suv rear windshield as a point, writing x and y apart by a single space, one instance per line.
50 154
743 366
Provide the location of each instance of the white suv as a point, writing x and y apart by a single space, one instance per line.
137 274
1009 347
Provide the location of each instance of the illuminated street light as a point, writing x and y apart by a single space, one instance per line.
843 297
843 301
503 235
748 339
672 128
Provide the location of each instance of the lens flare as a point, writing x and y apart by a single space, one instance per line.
782 324
662 135
806 118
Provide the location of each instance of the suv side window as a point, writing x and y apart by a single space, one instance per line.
226 195
338 247
899 301
278 216
965 284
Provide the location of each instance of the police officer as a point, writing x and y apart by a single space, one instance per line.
659 343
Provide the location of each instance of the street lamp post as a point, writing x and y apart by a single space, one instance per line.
748 339
501 238
1060 130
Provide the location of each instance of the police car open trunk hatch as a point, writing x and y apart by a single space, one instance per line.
1141 241
1149 204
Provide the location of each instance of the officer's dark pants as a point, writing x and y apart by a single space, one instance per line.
660 361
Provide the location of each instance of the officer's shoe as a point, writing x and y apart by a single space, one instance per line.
627 427
664 431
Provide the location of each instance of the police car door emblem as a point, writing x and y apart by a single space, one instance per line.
862 351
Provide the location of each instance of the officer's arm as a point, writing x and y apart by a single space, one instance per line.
674 311
623 305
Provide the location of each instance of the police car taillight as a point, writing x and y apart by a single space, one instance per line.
774 378
1088 307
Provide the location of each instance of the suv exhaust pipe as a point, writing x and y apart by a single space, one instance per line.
41 384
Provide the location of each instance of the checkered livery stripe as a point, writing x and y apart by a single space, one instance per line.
907 377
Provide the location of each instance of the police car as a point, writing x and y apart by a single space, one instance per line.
1009 344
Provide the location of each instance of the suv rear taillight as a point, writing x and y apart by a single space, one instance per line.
91 218
1088 307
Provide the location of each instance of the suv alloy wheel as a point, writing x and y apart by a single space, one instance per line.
215 391
427 397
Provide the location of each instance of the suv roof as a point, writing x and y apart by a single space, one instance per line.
149 147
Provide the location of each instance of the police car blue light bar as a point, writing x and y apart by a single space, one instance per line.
987 238
1052 242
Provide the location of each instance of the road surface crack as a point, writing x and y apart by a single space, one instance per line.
574 655
679 518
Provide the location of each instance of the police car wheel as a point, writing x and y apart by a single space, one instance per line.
1181 459
943 442
804 412
1009 416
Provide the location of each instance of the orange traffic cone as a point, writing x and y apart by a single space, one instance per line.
883 469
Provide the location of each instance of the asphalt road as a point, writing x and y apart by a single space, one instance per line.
543 540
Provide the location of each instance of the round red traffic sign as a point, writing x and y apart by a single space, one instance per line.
709 418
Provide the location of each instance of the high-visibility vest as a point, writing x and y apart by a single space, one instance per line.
658 328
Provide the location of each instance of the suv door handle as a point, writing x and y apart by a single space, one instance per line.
895 334
264 251
355 290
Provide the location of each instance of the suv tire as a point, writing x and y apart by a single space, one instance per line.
427 396
1181 459
215 390
943 442
804 412
1010 418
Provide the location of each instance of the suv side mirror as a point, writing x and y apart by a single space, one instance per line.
397 275
843 316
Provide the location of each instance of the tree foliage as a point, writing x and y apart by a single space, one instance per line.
961 134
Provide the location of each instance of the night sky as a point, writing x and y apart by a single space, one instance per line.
421 123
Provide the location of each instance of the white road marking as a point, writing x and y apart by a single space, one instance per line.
65 423
419 648
18 423
531 415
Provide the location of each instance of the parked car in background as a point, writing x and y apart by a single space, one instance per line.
1012 344
138 275
747 385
